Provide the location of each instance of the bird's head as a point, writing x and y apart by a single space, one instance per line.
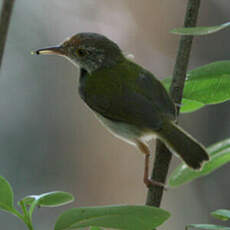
89 51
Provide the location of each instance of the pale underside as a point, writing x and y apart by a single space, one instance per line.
128 133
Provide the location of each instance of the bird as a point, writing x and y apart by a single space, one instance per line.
127 98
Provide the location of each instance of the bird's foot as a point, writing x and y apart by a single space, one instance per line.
149 183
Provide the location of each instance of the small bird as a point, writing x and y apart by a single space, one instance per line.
126 98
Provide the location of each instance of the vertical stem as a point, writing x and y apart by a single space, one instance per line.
27 219
184 50
6 11
163 155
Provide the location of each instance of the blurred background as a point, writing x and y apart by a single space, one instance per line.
50 141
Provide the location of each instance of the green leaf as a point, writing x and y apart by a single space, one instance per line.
207 226
219 155
221 214
116 217
6 196
50 199
202 30
95 228
205 85
189 106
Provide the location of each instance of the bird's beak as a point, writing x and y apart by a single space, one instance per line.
55 50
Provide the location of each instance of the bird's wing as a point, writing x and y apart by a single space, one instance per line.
129 94
127 107
153 90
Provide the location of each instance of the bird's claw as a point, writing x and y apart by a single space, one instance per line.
149 183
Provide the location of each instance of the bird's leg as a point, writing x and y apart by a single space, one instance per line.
148 182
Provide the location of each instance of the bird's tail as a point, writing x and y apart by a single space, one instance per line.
190 150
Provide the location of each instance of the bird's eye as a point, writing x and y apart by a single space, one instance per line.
81 52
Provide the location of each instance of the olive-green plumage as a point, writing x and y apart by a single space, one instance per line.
125 97
127 93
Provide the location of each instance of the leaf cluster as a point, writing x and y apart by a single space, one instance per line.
128 217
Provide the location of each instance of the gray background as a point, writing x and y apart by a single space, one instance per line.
49 140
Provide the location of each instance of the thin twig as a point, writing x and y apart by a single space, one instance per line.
163 155
6 11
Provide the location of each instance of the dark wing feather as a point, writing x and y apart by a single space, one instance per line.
154 91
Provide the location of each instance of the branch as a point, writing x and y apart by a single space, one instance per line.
163 155
6 11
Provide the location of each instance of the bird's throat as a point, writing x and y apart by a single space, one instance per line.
82 80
